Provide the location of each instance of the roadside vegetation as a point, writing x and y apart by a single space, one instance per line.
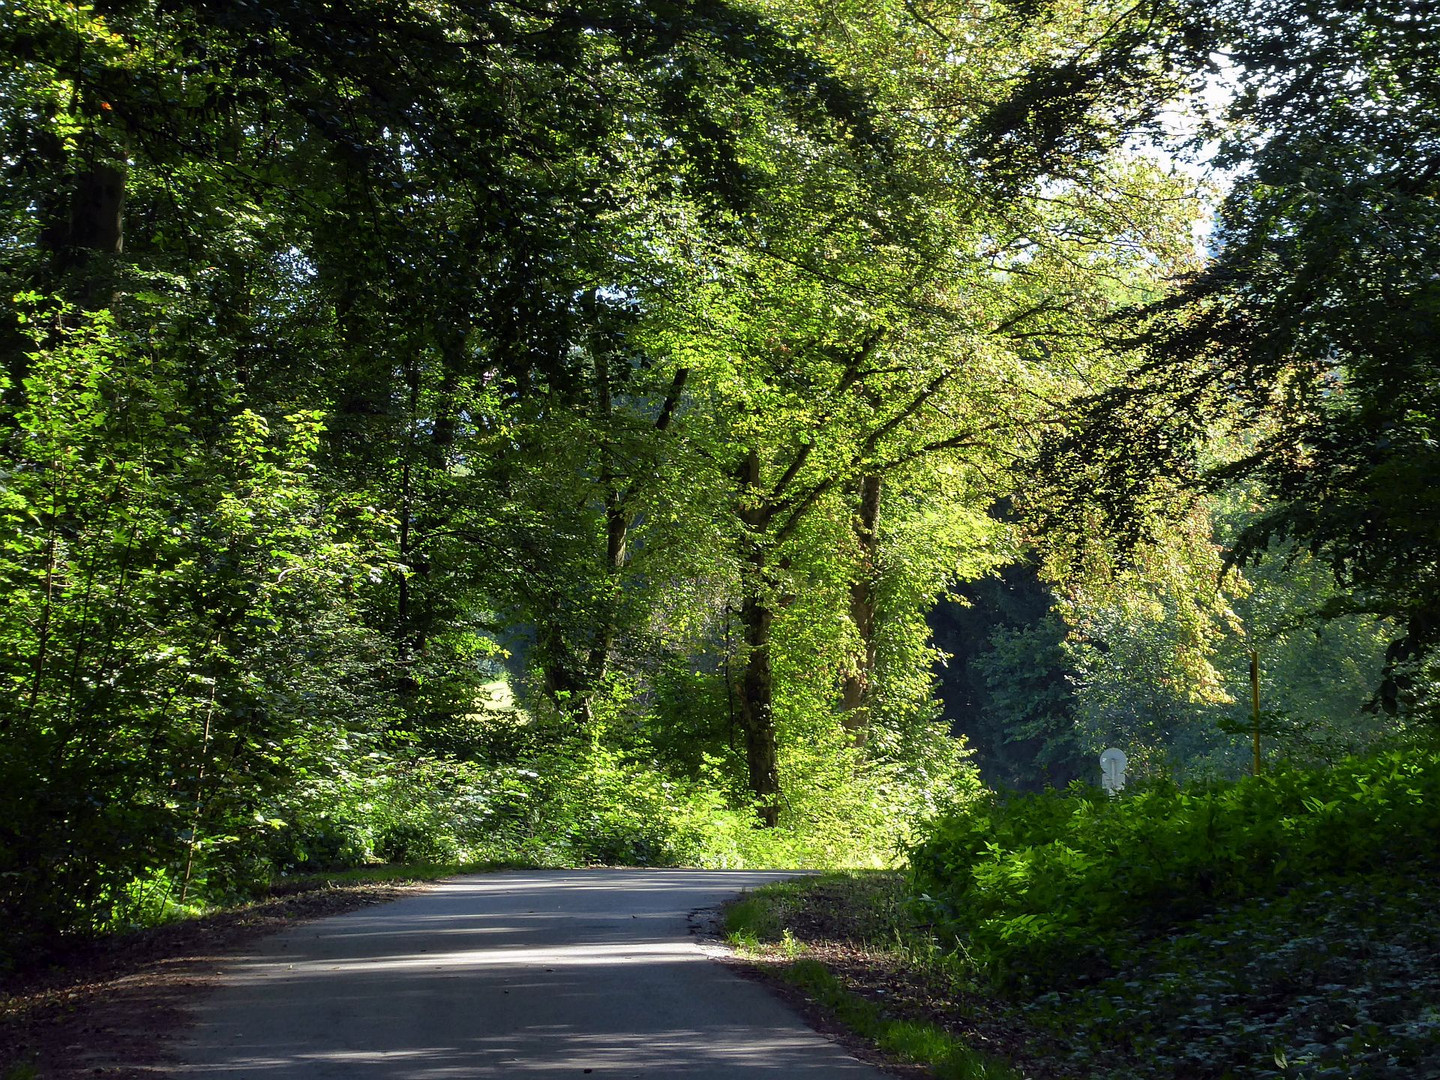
1279 926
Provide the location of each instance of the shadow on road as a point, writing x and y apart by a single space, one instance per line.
542 974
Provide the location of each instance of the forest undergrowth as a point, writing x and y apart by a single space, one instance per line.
1276 927
572 802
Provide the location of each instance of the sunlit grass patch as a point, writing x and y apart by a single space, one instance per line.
866 911
758 917
906 1040
849 905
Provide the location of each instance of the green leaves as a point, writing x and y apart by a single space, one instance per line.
1045 889
1307 343
172 620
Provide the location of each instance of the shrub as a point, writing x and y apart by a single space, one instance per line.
1044 888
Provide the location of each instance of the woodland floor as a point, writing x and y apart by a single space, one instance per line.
904 994
1336 979
104 1009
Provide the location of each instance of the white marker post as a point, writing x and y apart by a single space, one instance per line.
1112 770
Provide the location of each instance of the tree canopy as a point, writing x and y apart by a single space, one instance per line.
1309 337
543 430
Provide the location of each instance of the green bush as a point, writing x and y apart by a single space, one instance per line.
564 798
1046 888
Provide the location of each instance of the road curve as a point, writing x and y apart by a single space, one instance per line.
530 974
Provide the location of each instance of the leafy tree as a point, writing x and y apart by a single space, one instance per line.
1312 330
1160 646
339 269
879 335
179 640
1317 675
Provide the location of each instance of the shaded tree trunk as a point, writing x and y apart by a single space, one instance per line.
855 690
620 510
757 682
86 230
84 235
617 521
408 635
757 693
564 672
564 683
97 220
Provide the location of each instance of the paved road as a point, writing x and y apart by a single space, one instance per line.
534 975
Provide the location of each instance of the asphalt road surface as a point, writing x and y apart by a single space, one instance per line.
533 975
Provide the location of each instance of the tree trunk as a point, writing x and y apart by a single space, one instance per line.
617 521
757 716
405 650
85 237
568 688
855 690
757 683
81 236
98 212
619 511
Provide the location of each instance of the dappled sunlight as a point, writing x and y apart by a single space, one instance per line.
541 974
551 1052
575 956
655 1052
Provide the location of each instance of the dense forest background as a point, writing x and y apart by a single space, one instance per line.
700 432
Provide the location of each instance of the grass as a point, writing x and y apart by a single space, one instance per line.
906 1040
793 930
853 905
751 921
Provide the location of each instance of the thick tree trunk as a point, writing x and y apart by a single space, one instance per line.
617 532
98 213
570 692
757 717
85 237
619 512
757 683
855 690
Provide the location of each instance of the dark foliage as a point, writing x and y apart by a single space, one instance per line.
1313 332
